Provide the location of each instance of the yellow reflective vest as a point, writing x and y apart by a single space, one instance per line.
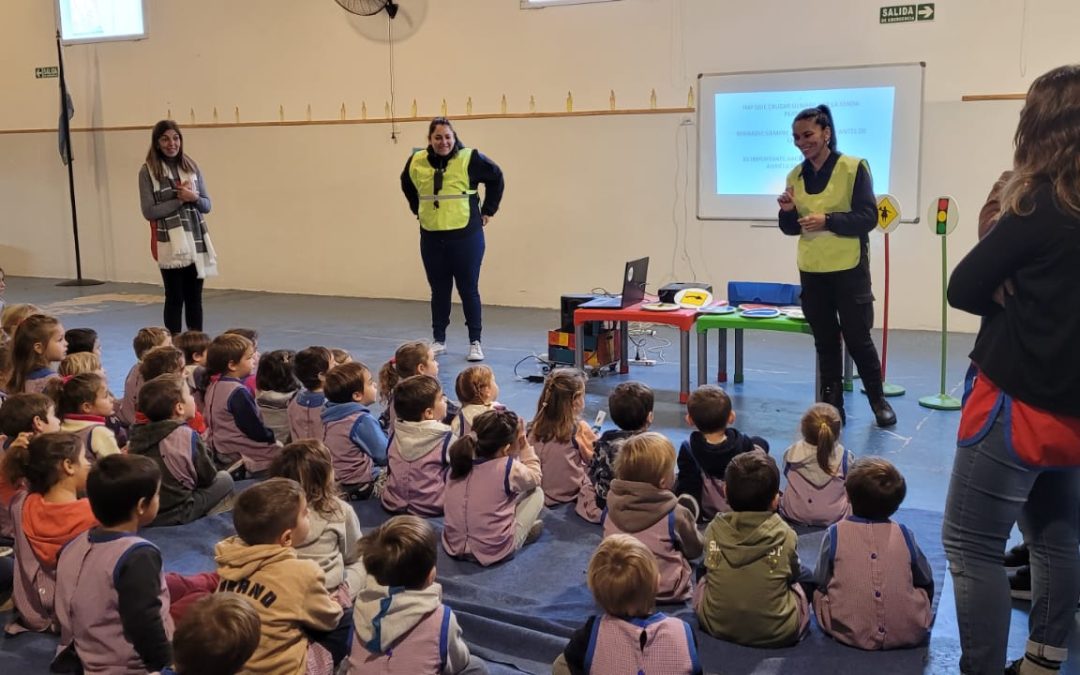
826 251
448 210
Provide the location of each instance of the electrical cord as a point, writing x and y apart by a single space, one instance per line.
534 377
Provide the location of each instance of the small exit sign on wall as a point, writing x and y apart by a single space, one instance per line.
42 72
907 13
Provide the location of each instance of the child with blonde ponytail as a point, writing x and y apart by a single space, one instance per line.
816 467
493 497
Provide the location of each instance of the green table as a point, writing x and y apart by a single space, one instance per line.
738 323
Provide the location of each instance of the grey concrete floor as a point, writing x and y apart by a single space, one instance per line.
777 389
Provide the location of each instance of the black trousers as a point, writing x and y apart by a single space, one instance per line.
183 296
842 304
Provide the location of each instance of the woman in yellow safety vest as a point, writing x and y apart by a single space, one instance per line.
829 203
440 182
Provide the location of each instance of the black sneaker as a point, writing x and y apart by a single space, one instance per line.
883 413
1020 583
1017 556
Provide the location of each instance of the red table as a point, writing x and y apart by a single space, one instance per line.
683 319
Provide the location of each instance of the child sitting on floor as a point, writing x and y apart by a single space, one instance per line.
145 340
874 585
562 440
334 529
193 343
402 626
418 456
631 636
276 386
83 404
493 500
38 342
191 485
88 362
353 435
642 505
305 409
111 600
476 390
235 429
704 457
630 405
750 594
217 636
46 518
260 565
816 467
22 417
411 358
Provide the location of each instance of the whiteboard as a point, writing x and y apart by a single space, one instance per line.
82 21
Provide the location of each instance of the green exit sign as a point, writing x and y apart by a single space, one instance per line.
43 72
907 13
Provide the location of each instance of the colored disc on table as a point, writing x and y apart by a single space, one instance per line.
717 309
763 313
751 305
693 298
660 307
888 210
943 215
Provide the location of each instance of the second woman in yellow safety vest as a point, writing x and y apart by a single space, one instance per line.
440 182
829 203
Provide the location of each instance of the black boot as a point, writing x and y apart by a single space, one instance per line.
884 415
833 394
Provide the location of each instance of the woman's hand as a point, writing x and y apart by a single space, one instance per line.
815 222
787 199
484 220
1006 288
185 194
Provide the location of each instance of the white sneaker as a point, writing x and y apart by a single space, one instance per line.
475 353
438 348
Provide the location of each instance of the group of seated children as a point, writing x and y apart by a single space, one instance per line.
872 586
303 424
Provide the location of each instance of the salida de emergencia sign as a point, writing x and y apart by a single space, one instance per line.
907 13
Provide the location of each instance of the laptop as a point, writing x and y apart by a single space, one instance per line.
633 288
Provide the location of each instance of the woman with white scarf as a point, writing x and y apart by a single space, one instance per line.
174 199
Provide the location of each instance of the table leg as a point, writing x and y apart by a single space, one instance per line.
624 341
702 357
579 346
721 357
684 365
738 355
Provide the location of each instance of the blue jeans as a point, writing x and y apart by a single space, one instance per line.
448 261
989 492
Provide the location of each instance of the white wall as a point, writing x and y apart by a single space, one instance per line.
317 208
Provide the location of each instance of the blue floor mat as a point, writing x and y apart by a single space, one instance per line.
517 615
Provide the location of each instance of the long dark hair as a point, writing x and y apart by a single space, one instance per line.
491 432
156 160
822 116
